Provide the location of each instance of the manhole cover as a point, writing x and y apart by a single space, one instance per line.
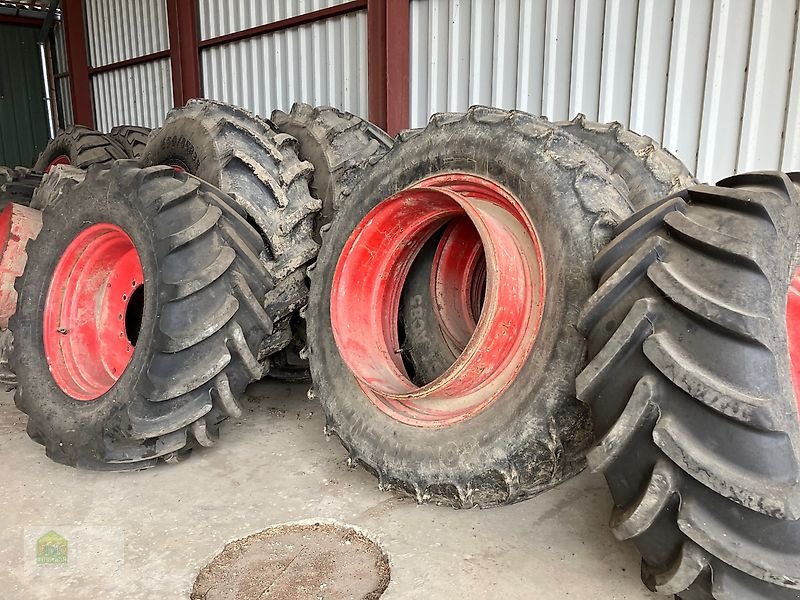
296 562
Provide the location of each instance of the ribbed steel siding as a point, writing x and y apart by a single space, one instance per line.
319 63
716 81
138 95
59 53
220 17
123 29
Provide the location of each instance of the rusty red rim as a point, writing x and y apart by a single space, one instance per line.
368 282
93 311
459 255
793 333
61 159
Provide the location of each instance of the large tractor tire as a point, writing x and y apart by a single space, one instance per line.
341 146
18 226
503 423
258 167
138 321
132 138
650 171
436 337
18 185
80 147
693 380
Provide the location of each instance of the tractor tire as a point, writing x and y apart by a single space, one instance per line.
694 347
54 184
132 138
471 450
80 147
341 146
650 171
258 167
19 225
177 262
18 185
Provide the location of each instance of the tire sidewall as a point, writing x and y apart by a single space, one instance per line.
189 143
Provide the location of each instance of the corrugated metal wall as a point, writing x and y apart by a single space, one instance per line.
120 30
138 95
319 63
220 17
716 81
63 98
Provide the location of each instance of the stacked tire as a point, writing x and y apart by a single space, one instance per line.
477 304
141 320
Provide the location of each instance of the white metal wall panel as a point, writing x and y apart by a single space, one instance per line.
220 17
137 95
59 54
717 82
318 63
123 29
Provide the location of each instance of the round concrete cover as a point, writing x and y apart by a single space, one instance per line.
296 562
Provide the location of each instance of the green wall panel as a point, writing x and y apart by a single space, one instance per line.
23 114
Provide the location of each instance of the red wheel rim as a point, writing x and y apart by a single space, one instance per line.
62 159
369 279
793 332
458 258
93 311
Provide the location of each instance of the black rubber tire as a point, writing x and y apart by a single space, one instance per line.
244 156
202 320
53 184
18 185
650 171
341 146
132 138
534 435
690 389
83 147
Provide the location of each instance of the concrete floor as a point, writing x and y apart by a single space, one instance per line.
147 534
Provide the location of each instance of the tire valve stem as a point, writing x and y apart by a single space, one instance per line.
62 330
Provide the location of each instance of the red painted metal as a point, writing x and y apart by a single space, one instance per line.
184 50
388 63
793 332
131 62
397 65
78 62
369 278
458 257
377 59
86 311
310 17
18 225
61 159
